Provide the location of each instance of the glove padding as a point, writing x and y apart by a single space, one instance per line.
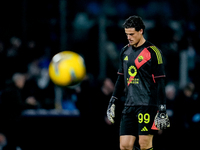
161 119
111 109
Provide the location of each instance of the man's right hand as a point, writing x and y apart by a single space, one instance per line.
111 109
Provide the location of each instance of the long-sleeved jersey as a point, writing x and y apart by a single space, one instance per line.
141 73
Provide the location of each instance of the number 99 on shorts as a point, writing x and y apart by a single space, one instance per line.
143 118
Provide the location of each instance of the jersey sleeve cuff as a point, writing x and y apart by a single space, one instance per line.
120 73
161 76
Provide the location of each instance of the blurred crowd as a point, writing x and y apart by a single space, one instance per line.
25 84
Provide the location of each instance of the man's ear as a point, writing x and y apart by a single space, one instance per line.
141 31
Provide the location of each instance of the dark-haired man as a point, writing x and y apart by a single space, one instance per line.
141 75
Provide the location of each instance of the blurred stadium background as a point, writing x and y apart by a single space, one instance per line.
36 114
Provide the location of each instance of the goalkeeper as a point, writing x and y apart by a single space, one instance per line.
141 77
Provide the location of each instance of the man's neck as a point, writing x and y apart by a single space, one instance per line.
141 42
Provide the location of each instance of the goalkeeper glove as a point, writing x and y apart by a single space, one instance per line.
161 119
111 109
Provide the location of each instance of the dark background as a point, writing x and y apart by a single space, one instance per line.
32 32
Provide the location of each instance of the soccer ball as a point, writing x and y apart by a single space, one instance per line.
67 68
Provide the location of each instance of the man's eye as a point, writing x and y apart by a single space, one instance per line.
130 34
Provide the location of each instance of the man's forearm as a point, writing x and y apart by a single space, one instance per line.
161 90
119 86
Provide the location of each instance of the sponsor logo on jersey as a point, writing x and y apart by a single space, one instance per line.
126 58
132 71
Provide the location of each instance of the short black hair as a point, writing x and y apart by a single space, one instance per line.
134 22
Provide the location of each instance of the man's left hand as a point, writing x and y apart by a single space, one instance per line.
161 119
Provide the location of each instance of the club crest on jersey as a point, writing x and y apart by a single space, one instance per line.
140 58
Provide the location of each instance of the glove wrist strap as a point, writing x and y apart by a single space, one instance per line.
114 97
162 107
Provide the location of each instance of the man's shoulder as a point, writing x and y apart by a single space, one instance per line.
125 48
148 45
155 51
151 46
